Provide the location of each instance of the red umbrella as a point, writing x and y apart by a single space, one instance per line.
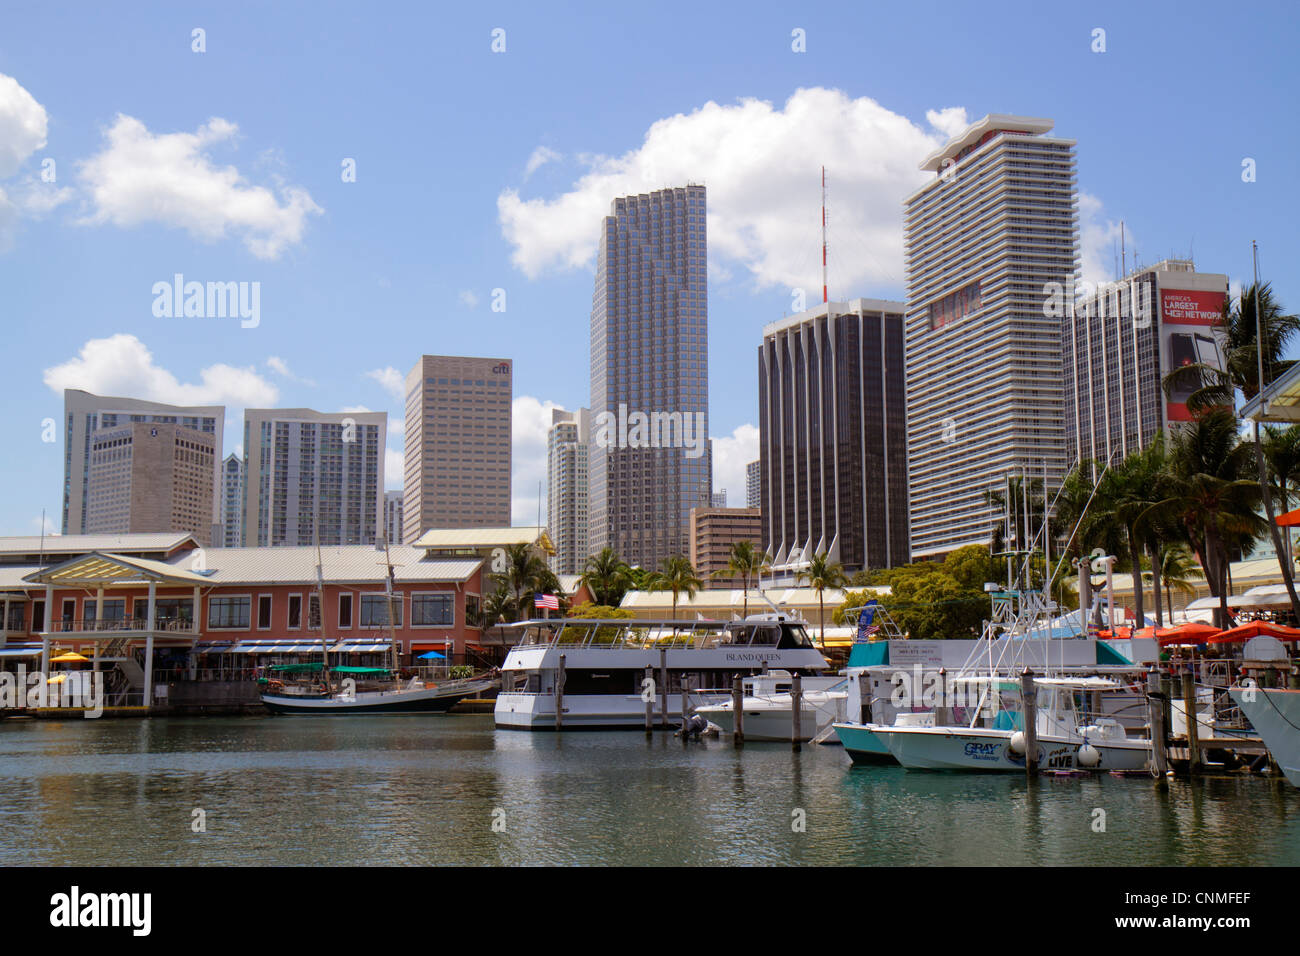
1192 632
1244 632
1289 520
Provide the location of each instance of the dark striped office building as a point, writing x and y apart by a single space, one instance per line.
833 437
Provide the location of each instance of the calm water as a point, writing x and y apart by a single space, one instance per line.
427 789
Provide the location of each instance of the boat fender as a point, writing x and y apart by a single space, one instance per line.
1017 743
1088 756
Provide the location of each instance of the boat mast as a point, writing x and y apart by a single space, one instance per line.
320 603
392 630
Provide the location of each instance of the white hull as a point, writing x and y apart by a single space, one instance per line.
989 750
517 711
1275 715
771 718
440 697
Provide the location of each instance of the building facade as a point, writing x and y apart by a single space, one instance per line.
833 437
150 478
458 452
649 462
566 489
393 517
232 502
986 241
719 499
84 414
753 485
313 477
1120 341
713 532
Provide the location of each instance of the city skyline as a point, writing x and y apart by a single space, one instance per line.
336 259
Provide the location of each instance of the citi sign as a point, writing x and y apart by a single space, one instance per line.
501 369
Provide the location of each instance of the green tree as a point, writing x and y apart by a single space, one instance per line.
676 574
525 573
745 562
606 577
822 574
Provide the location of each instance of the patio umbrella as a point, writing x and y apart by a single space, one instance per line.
431 656
1289 520
69 657
1192 632
1244 632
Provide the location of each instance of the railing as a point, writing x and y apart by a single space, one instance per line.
95 625
640 635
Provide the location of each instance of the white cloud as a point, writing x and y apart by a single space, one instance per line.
1099 241
23 125
396 427
393 382
731 454
354 410
762 167
46 526
122 365
277 364
540 157
949 121
169 178
394 469
468 298
530 420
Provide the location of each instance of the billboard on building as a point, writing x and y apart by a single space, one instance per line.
1187 321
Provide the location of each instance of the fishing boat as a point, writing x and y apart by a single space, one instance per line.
570 673
768 707
1275 715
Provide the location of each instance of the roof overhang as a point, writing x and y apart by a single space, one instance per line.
99 569
1279 401
1033 125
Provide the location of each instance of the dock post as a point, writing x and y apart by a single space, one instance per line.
941 717
796 712
649 699
1189 711
737 710
684 705
559 695
1156 718
1029 710
866 712
663 686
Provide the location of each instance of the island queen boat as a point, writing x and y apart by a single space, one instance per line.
566 674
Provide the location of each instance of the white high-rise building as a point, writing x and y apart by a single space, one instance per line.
566 496
310 474
753 484
393 517
232 502
987 240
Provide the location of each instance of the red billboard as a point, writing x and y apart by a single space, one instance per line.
1185 320
1190 308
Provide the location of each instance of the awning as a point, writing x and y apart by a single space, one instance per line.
20 652
359 647
274 647
222 648
1245 632
1289 520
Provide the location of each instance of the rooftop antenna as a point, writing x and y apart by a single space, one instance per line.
1123 257
825 297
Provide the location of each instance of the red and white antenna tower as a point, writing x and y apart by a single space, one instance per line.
825 299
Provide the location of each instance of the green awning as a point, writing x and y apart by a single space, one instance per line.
359 670
1108 655
867 653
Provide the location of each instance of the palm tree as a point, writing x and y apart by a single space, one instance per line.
822 574
1139 482
1207 492
607 577
1282 453
1177 565
676 574
744 562
525 572
1085 510
1254 316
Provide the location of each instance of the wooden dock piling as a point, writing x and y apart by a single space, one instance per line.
1159 735
649 699
1189 711
738 710
796 712
1029 710
559 695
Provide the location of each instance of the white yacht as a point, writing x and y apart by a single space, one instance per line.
768 706
1275 715
570 673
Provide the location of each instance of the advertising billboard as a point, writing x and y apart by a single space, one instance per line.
1187 320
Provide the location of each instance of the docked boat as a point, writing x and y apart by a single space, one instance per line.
768 707
362 690
564 674
1275 715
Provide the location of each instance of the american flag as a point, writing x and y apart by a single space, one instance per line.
550 601
866 627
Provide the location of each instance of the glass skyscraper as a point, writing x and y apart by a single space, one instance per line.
649 462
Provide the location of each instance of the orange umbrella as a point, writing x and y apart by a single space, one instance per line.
1244 632
1289 520
1193 632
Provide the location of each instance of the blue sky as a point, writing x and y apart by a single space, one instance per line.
479 170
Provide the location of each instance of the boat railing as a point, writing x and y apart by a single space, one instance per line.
622 634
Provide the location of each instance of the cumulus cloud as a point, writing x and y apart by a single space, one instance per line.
761 164
122 365
169 178
949 121
392 381
1099 241
731 454
468 298
540 157
277 364
530 420
23 125
394 469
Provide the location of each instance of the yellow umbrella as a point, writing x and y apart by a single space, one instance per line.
69 657
57 679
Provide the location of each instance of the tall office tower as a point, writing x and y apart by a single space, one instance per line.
393 517
1118 344
719 499
833 437
150 477
310 475
566 488
753 485
84 413
986 241
649 462
457 444
232 501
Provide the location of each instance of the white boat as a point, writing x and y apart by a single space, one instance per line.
768 707
1065 741
570 673
864 747
1275 715
417 697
